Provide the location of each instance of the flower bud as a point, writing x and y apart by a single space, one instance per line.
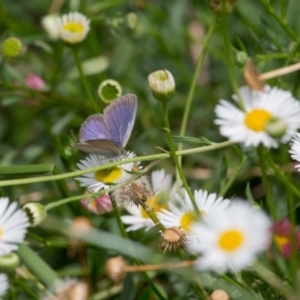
219 295
131 20
9 262
49 23
109 90
12 47
162 85
241 58
115 269
36 213
276 127
99 205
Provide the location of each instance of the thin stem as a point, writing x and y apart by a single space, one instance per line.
265 180
182 264
153 216
279 72
175 157
229 60
280 20
113 164
191 93
232 177
118 218
83 80
277 283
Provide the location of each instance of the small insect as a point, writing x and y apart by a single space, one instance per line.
107 134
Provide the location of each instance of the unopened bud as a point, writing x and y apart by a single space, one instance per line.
9 262
162 85
276 127
241 58
132 20
219 295
12 47
36 213
115 269
49 23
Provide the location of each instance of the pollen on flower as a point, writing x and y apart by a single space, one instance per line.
231 240
257 119
187 219
108 175
74 27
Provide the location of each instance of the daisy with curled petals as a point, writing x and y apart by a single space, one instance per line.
104 179
156 197
13 226
232 238
269 116
3 284
73 27
185 215
295 150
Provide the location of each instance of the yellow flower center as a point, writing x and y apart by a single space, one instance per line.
257 119
230 240
155 203
281 240
109 175
187 219
74 27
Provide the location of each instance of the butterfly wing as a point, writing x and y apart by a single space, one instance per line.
100 147
94 128
119 117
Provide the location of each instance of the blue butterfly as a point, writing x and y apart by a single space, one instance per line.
107 134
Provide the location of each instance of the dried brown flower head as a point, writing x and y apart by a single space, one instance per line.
173 239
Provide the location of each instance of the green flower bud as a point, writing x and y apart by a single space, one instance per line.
12 47
241 58
9 262
109 90
162 85
276 128
36 213
131 20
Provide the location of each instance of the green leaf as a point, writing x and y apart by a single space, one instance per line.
90 66
192 140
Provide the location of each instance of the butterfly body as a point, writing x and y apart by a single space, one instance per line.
107 134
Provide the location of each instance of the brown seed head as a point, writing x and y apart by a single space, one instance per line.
115 269
219 295
173 239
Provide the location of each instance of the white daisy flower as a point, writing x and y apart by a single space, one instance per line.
269 117
13 226
104 179
295 149
162 192
184 216
3 284
73 27
232 238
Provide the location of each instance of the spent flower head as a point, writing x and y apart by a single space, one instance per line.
12 47
162 85
109 90
73 27
270 116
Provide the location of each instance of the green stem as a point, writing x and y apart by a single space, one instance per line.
118 218
113 164
37 266
280 20
229 60
262 161
175 157
83 80
191 93
153 216
277 283
233 176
